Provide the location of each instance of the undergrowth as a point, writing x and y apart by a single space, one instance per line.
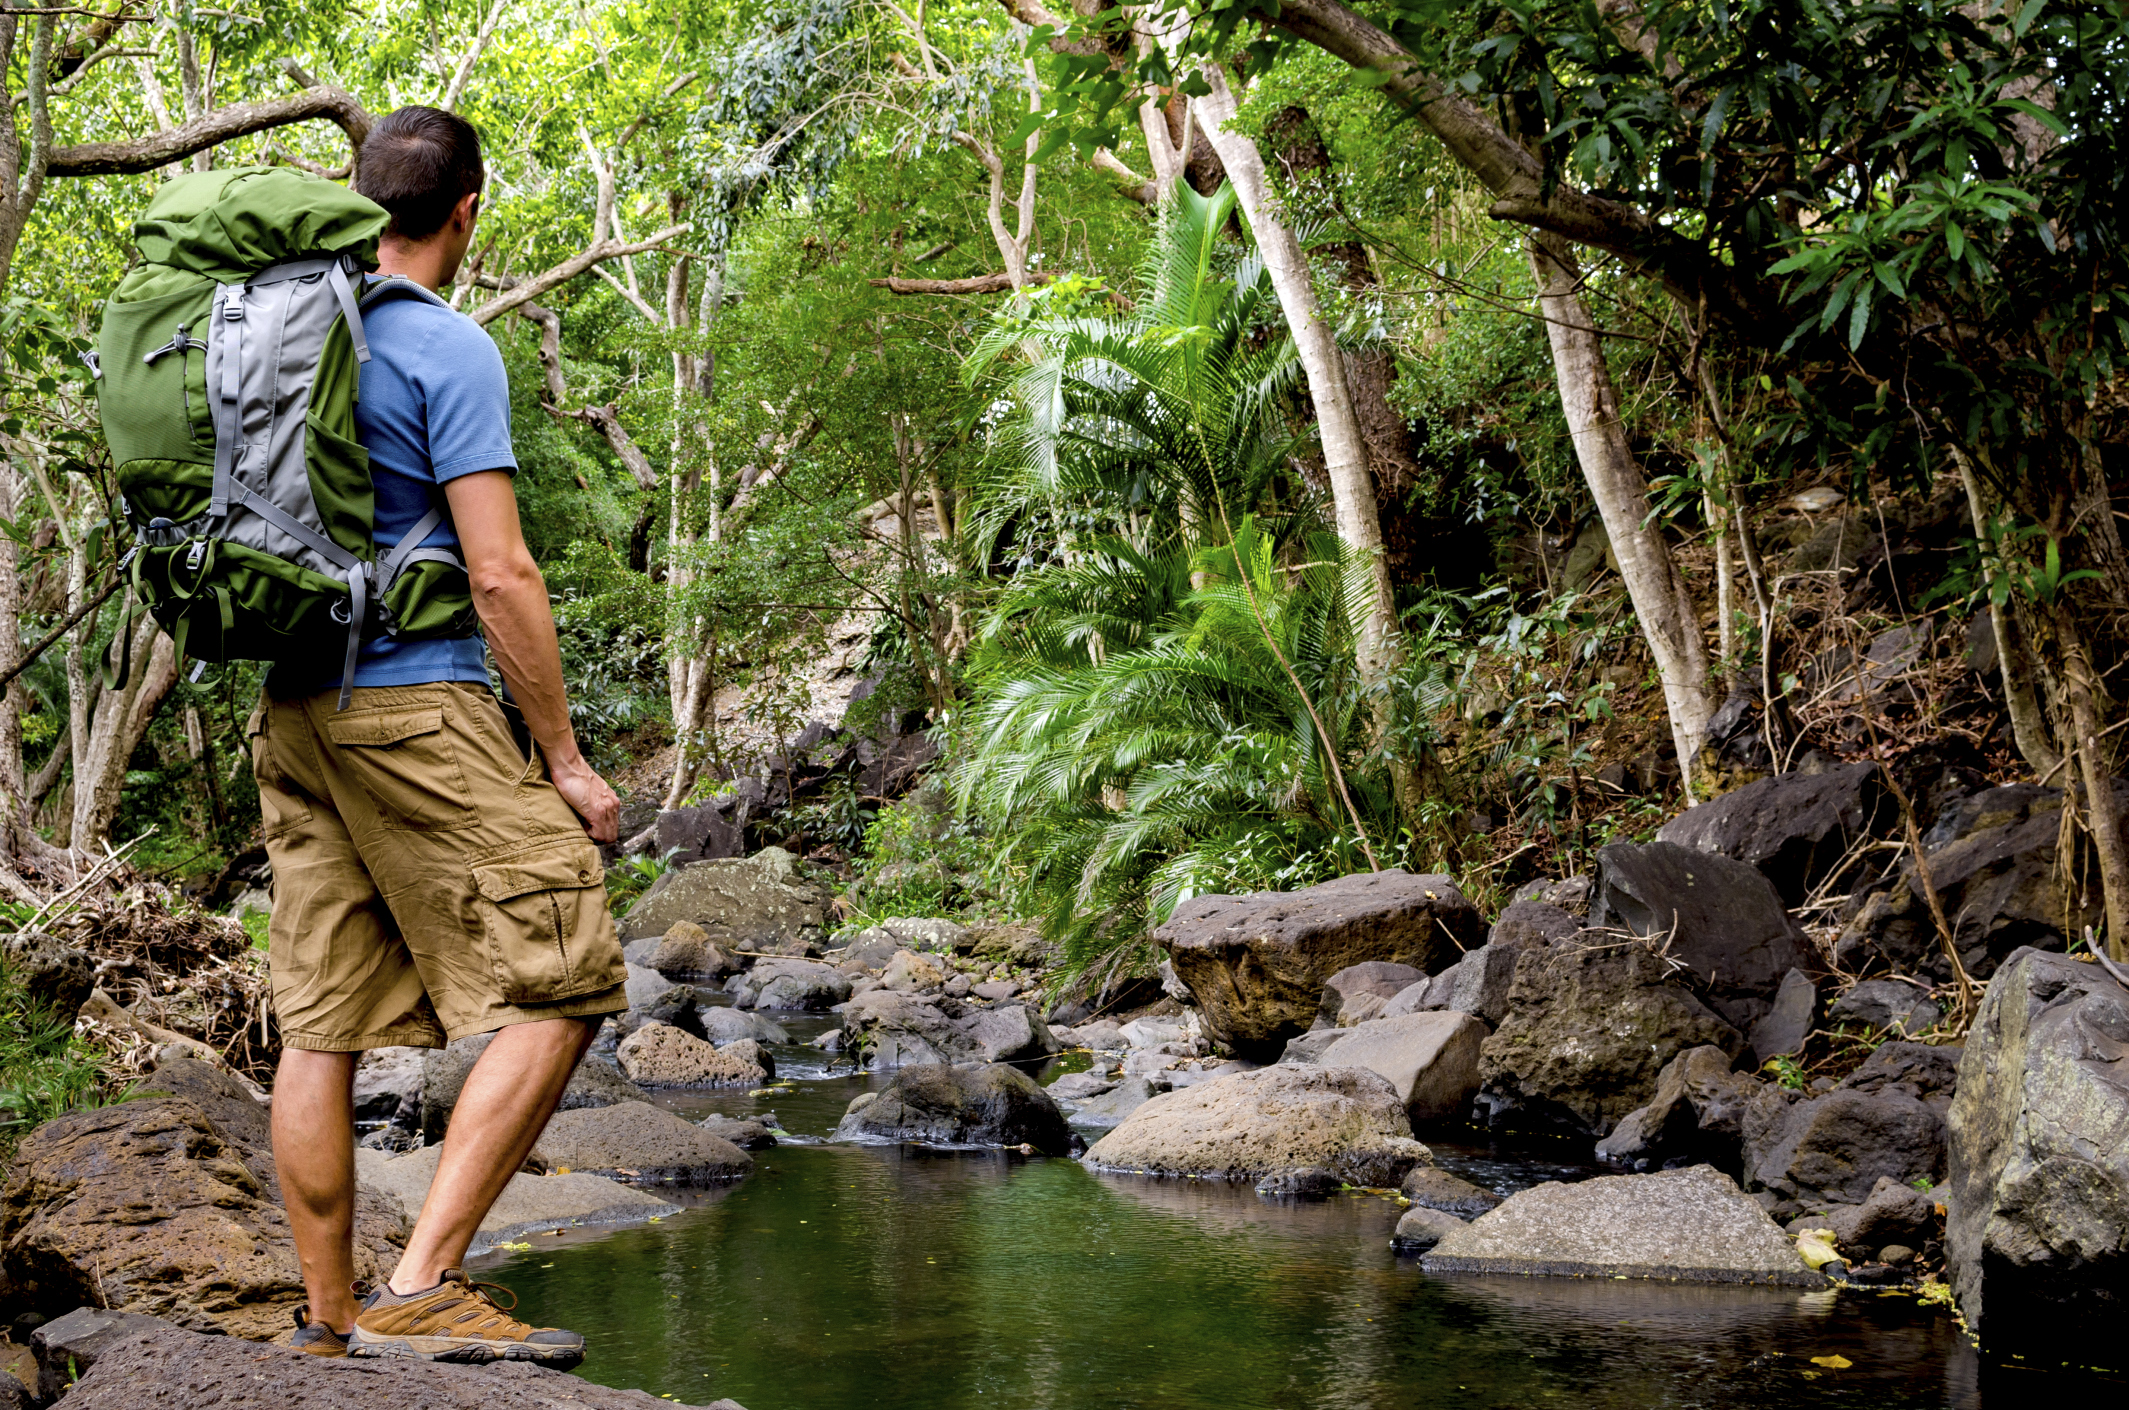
45 1070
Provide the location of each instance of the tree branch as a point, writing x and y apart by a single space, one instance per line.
975 284
486 32
603 419
530 289
145 154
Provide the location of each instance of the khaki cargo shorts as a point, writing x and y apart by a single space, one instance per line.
428 880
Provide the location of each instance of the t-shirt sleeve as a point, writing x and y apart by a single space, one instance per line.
468 398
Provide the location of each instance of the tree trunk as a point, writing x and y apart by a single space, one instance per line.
2029 728
1666 613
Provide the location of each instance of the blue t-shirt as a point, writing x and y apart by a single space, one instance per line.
434 405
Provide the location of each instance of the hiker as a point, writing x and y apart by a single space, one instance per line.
431 880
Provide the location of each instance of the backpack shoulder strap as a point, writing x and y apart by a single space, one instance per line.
398 286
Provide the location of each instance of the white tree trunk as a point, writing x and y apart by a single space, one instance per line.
1345 452
1661 604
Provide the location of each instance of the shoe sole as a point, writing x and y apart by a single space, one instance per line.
465 1351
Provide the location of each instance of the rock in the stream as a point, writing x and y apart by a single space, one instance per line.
1306 1182
653 998
910 973
168 1206
1893 1214
1719 917
1078 1086
596 1082
687 952
904 1030
68 1348
1109 1108
805 985
722 1024
935 934
1992 862
1357 993
1590 1025
755 904
748 1135
2038 1236
1836 1147
1421 1228
529 1204
177 1370
1430 1058
57 978
1697 1115
1438 1189
641 1143
1795 827
993 1105
872 949
388 1083
1243 1127
660 1055
1257 964
1690 1225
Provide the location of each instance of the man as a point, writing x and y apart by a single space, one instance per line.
431 881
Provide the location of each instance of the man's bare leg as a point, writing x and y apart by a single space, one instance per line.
314 1151
505 1104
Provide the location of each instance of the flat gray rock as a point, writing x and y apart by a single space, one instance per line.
1690 1225
1430 1058
528 1204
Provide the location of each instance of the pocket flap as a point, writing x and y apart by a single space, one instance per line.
564 866
374 727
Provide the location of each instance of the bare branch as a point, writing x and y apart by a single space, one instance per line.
634 296
145 154
570 268
457 88
603 419
975 284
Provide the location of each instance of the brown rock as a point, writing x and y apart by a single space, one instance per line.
660 1055
149 1206
1257 964
687 952
639 1142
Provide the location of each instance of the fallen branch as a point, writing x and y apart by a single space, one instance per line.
974 284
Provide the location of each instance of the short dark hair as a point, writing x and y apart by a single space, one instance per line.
418 163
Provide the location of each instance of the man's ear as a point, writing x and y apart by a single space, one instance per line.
466 211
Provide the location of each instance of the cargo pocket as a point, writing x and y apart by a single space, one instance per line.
404 761
281 807
544 908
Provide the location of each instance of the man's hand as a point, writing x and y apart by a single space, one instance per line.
583 790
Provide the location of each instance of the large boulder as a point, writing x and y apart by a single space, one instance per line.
1346 1120
807 986
55 978
906 1030
1992 860
1257 964
1835 1147
744 905
641 1143
1893 1214
177 1370
911 973
1696 1117
660 1055
1357 993
1721 918
1795 828
1430 1188
722 1024
529 1204
2038 1238
1690 1225
152 1206
993 1105
1430 1058
1590 1025
388 1086
68 1348
596 1082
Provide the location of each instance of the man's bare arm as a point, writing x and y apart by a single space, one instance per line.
511 597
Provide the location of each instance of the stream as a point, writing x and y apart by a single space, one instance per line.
903 1277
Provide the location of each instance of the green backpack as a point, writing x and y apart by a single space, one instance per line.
228 373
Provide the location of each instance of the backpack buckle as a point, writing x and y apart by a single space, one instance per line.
192 559
342 612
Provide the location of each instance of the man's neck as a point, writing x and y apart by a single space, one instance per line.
424 262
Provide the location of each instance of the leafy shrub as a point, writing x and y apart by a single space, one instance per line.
44 1070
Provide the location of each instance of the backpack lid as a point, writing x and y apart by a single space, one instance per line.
230 224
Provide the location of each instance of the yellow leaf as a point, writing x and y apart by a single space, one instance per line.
1815 1247
1832 1363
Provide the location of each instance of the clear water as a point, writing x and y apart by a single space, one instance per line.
846 1276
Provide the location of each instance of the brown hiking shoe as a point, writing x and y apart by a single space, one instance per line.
457 1320
316 1338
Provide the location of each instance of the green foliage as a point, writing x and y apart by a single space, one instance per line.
921 857
629 878
44 1070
